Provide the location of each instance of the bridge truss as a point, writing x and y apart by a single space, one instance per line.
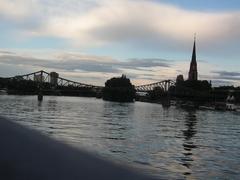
164 85
45 77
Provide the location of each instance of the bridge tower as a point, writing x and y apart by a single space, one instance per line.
193 73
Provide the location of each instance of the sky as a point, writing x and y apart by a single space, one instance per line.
90 41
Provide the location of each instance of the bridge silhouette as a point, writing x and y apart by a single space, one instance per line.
164 85
55 80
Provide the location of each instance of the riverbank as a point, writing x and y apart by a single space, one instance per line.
27 154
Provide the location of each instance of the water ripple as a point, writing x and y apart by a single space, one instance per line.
167 143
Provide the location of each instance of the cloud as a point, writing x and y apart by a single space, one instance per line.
146 63
97 69
222 78
68 64
124 22
216 83
102 22
6 52
227 75
134 25
70 61
88 65
15 9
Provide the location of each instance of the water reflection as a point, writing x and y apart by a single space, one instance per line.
166 103
174 142
117 111
52 105
39 103
188 144
117 125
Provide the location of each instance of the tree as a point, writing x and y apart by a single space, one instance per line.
119 89
193 90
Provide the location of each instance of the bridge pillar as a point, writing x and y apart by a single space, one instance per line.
40 94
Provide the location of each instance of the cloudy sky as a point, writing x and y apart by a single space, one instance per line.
148 40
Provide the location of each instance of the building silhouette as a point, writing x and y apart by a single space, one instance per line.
193 73
54 78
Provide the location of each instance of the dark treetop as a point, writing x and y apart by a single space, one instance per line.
119 89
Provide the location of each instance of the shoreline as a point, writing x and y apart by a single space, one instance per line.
27 154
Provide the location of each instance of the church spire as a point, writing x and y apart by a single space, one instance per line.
193 74
194 50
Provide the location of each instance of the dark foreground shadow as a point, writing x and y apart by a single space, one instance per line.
26 154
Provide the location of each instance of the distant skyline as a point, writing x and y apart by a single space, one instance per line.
148 40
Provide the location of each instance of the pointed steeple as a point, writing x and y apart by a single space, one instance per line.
194 51
193 74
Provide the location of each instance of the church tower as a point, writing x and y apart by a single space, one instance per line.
193 74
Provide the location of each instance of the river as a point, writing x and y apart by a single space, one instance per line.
171 143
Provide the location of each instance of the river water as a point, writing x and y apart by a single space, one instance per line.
171 143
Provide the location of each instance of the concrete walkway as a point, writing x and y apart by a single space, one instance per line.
26 154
